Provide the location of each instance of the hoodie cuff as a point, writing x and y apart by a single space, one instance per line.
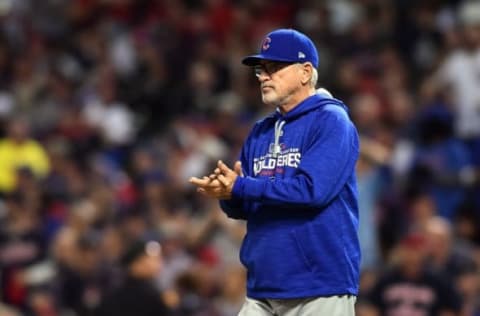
249 188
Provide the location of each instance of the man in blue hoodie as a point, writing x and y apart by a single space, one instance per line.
295 186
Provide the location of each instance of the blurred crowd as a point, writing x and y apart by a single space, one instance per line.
107 107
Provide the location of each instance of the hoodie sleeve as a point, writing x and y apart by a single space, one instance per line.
326 165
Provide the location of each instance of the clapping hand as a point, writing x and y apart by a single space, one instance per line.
220 183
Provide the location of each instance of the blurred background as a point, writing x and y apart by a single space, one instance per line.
107 107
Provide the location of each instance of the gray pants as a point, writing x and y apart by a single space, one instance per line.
316 306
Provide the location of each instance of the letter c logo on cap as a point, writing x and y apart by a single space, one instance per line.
266 43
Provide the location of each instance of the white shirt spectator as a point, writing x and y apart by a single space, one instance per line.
115 121
461 73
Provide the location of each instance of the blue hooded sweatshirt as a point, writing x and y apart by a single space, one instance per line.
299 197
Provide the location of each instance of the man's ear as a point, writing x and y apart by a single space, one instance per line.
307 72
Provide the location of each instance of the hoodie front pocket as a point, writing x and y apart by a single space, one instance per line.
322 252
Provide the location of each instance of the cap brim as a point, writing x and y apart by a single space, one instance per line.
254 60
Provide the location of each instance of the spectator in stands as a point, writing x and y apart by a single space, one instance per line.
19 150
458 77
137 295
410 289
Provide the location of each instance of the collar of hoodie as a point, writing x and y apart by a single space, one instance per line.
311 103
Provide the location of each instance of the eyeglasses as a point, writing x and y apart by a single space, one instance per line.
270 68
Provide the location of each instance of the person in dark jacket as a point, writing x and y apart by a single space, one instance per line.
138 294
295 186
411 287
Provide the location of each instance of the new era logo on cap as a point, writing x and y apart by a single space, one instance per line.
285 45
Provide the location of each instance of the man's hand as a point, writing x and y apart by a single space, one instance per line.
219 184
228 176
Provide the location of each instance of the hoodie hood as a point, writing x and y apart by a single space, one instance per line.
309 104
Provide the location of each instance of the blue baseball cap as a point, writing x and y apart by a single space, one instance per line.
285 45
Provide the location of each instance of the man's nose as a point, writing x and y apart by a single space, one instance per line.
262 76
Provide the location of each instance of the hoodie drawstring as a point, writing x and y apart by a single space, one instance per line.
278 132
